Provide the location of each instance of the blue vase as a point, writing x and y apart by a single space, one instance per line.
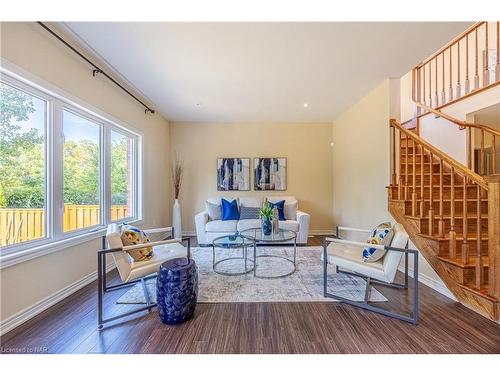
267 226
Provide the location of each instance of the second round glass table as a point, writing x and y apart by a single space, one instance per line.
256 236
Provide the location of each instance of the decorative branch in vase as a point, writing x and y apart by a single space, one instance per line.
177 174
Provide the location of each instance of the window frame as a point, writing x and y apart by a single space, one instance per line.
57 101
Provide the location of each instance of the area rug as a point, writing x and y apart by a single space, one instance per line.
305 285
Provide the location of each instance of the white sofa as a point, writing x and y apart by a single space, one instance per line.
209 228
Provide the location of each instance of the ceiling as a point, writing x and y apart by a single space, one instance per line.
260 72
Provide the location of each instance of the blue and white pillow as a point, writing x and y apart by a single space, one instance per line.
249 213
381 235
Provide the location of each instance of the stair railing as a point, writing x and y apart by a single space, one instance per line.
436 82
456 195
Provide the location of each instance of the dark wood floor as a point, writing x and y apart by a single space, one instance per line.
445 327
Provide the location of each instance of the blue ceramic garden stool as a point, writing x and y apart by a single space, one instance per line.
177 290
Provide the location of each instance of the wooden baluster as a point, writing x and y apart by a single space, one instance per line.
393 150
414 185
476 76
443 94
406 167
400 185
436 97
419 90
497 67
452 236
469 148
494 156
450 89
441 203
481 158
467 83
431 203
430 83
458 91
486 63
465 244
479 259
423 84
422 195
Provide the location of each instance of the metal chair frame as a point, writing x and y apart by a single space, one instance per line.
103 288
413 318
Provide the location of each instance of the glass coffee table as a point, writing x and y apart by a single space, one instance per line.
241 264
256 236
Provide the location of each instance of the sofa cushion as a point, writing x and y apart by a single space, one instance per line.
291 206
381 235
230 210
245 224
249 212
214 210
227 226
281 209
251 202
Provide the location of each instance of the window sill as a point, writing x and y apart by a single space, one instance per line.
9 260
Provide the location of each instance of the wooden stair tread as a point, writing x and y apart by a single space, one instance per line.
447 239
457 261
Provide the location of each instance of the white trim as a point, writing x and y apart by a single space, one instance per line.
30 312
21 256
434 284
321 232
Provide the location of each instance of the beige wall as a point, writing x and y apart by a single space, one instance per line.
361 161
306 147
32 49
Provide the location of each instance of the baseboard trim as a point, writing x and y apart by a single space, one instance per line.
30 312
434 284
318 232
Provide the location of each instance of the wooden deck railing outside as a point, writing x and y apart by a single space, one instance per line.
25 224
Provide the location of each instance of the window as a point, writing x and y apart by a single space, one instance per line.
22 166
65 171
122 176
81 172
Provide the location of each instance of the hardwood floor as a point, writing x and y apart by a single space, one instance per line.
445 327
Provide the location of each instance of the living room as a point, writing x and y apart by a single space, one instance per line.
249 187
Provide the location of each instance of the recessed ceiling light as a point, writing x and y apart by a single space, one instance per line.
306 105
198 104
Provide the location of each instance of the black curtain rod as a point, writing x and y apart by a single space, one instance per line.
96 70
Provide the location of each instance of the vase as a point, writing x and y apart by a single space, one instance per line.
176 219
267 226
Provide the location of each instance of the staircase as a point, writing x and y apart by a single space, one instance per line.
451 211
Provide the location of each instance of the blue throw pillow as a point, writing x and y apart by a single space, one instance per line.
281 209
229 210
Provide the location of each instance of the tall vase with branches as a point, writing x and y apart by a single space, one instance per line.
177 174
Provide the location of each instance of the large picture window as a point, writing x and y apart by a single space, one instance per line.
23 119
64 171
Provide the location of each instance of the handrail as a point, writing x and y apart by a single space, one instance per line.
459 167
452 42
458 122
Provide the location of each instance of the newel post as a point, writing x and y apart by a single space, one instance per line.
494 234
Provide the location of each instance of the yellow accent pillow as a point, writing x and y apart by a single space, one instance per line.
134 236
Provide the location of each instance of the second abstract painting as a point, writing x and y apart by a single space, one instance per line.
269 173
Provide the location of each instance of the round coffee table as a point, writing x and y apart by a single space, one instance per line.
256 236
233 241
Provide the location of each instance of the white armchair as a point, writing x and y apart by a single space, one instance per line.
347 258
132 272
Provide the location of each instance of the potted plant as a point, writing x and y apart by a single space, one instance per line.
266 215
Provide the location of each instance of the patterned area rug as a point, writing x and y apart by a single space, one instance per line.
305 285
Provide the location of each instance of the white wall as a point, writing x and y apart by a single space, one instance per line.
31 48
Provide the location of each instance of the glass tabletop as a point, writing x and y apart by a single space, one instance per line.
231 241
256 234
